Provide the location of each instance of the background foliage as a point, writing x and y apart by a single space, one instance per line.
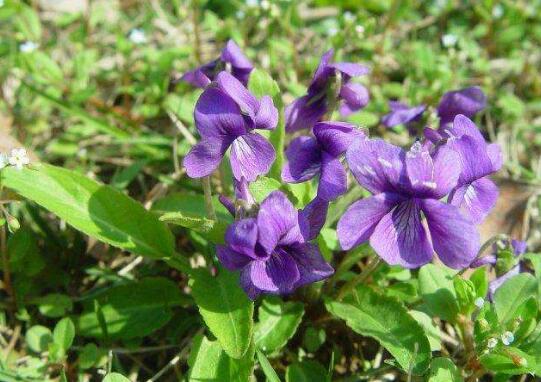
112 291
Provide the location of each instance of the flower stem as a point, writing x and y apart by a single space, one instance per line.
211 214
361 277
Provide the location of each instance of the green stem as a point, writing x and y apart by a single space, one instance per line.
211 214
361 277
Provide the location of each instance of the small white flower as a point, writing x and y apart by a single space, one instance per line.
497 11
479 302
3 157
348 16
492 342
332 31
251 3
19 158
265 5
137 36
28 47
508 338
359 29
449 40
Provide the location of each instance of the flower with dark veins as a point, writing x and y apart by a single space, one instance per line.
405 220
232 57
305 111
320 155
271 250
226 115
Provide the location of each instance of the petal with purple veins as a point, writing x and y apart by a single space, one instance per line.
230 259
196 78
314 215
251 156
304 112
205 157
336 137
277 221
267 114
454 236
401 238
217 115
360 219
377 165
467 101
304 160
402 114
333 180
475 162
312 266
241 236
247 102
475 199
355 97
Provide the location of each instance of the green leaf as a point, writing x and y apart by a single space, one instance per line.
444 370
89 356
267 368
432 330
132 310
509 360
437 289
115 377
306 371
209 363
262 187
512 294
24 253
191 205
278 322
386 320
63 334
479 279
38 338
261 83
54 305
226 309
466 293
97 210
313 339
213 230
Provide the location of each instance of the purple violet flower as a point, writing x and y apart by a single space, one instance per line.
231 55
468 102
405 220
226 115
320 155
475 193
271 250
402 114
305 111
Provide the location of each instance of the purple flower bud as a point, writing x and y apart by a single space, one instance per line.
231 57
305 111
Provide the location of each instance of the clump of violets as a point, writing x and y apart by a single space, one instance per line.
404 219
331 84
425 201
231 59
271 250
320 155
226 115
